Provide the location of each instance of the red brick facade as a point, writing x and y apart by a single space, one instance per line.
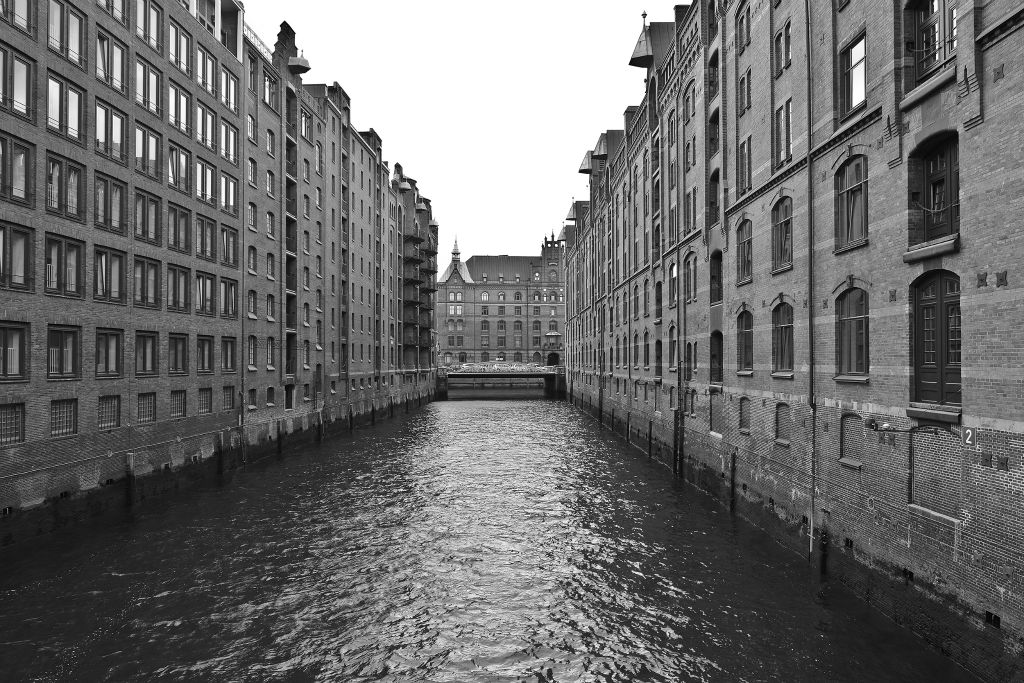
829 330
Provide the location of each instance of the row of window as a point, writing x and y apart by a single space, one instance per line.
485 325
64 353
485 357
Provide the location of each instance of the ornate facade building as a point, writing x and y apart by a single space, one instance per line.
503 308
198 250
793 280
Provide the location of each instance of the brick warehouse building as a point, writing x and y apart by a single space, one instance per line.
188 237
794 281
503 308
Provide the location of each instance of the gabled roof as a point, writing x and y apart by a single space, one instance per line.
456 269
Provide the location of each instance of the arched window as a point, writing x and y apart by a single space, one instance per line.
782 233
657 299
485 325
636 301
782 422
460 325
744 252
852 333
448 358
536 296
536 326
517 357
716 277
536 357
687 361
686 280
517 326
937 338
673 284
935 178
782 338
715 358
657 358
501 296
552 326
501 326
744 414
713 136
485 357
647 349
485 296
518 296
852 202
647 297
553 275
672 346
745 341
636 348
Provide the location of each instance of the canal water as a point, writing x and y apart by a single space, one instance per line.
472 541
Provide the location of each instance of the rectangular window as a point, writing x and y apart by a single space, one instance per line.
179 165
205 299
147 151
17 13
204 354
110 203
228 142
109 275
16 170
179 402
228 298
147 86
853 72
206 71
148 22
65 32
147 217
146 355
228 360
206 242
177 354
229 89
179 108
179 48
206 189
145 411
147 283
227 398
936 35
109 345
65 266
13 351
205 403
784 132
64 417
12 423
63 352
206 126
111 61
108 413
228 194
270 91
179 228
178 288
65 187
228 246
110 132
16 80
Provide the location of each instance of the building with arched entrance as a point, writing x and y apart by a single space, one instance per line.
503 308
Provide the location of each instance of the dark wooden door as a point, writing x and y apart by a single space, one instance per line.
937 330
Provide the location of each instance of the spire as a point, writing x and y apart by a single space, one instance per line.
455 250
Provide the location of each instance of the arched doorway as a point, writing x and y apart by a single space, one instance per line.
537 357
554 359
462 357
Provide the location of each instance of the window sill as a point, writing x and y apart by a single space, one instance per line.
784 443
946 74
251 316
715 388
943 245
782 375
744 430
851 463
251 368
851 379
782 269
851 117
62 379
851 246
928 412
744 373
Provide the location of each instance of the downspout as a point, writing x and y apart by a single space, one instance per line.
810 273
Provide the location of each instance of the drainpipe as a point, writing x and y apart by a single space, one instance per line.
810 272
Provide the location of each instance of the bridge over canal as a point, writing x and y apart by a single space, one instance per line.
498 382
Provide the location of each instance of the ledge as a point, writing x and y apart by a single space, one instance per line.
937 247
782 269
932 514
782 442
744 373
930 86
852 379
850 247
934 414
782 375
851 463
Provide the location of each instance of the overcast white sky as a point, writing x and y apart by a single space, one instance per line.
490 106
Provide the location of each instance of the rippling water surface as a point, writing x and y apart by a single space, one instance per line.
473 541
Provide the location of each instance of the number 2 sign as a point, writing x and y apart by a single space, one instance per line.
969 437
